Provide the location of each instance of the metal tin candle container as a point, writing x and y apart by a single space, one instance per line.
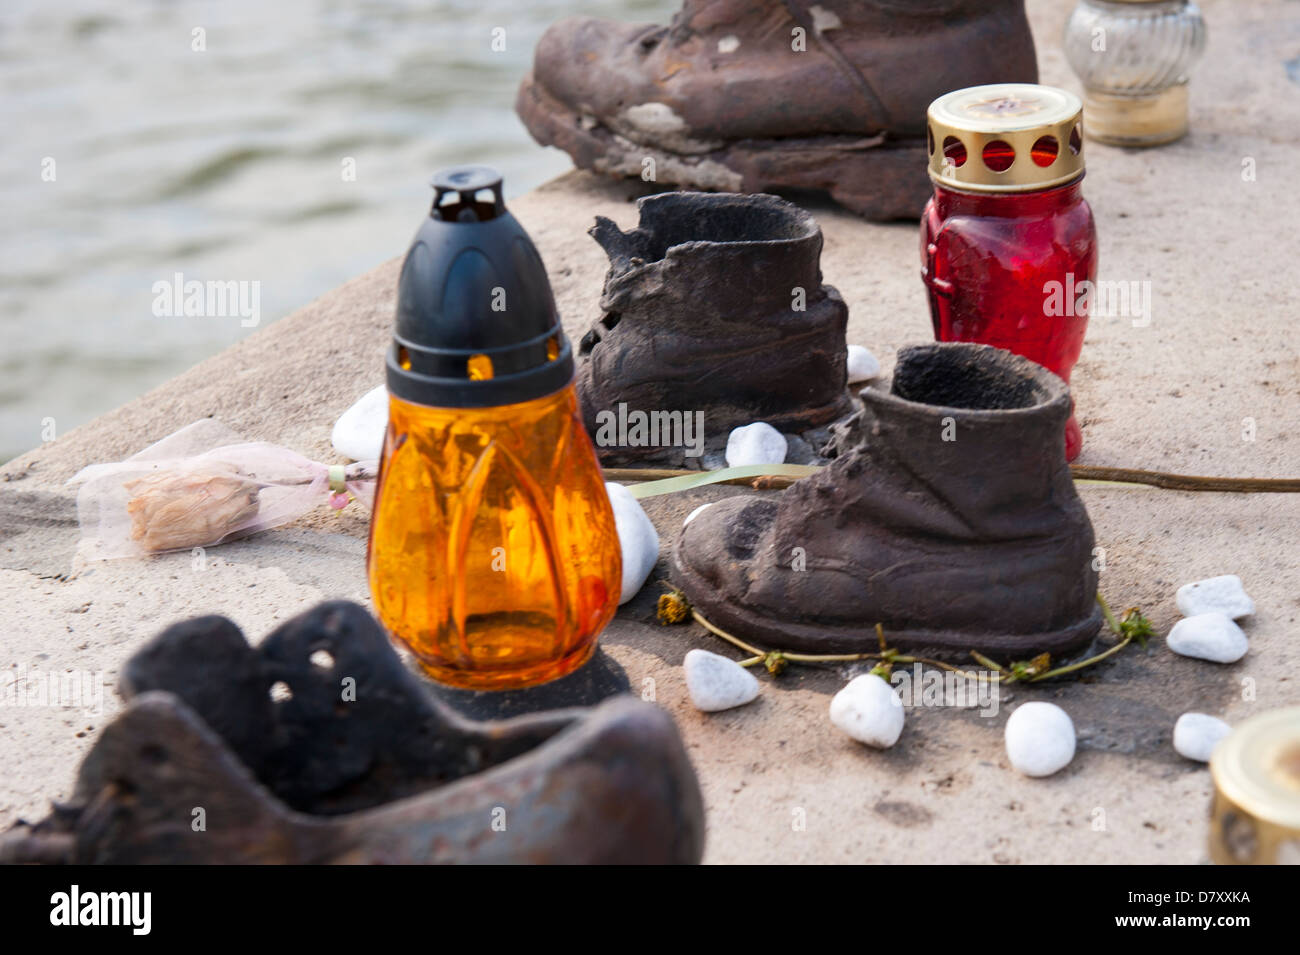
493 550
1008 245
1133 57
1255 815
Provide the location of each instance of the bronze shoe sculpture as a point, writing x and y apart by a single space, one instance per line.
353 762
763 95
948 516
713 304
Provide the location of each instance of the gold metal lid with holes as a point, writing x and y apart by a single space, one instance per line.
1255 816
1007 137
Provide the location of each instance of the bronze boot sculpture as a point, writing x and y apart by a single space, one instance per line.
318 746
714 308
949 517
761 95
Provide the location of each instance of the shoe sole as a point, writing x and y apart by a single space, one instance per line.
879 178
830 638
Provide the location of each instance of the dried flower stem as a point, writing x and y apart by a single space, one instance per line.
1110 617
356 471
736 641
886 655
1131 628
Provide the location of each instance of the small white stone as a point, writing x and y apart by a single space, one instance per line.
869 710
696 513
1208 636
1196 735
716 683
1223 594
1039 738
862 365
637 538
825 20
729 44
359 432
757 443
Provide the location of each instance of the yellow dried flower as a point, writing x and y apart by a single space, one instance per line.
1023 669
172 511
673 607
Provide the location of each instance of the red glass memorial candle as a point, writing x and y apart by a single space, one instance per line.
1008 246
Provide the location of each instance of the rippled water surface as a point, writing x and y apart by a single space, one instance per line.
227 164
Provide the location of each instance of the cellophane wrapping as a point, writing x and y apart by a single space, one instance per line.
200 486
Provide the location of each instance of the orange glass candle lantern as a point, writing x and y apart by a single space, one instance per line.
493 551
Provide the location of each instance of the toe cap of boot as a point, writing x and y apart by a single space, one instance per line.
593 67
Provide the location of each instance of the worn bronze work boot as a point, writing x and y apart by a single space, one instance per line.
949 517
353 762
761 95
713 305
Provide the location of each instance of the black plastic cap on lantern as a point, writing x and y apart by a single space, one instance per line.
476 321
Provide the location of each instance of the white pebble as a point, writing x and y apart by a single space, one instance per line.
1224 595
359 432
869 710
862 365
637 538
1208 636
1196 735
716 683
757 443
695 513
1040 738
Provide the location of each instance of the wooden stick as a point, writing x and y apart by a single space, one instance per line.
765 481
1080 472
1186 482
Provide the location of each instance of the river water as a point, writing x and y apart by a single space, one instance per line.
286 143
